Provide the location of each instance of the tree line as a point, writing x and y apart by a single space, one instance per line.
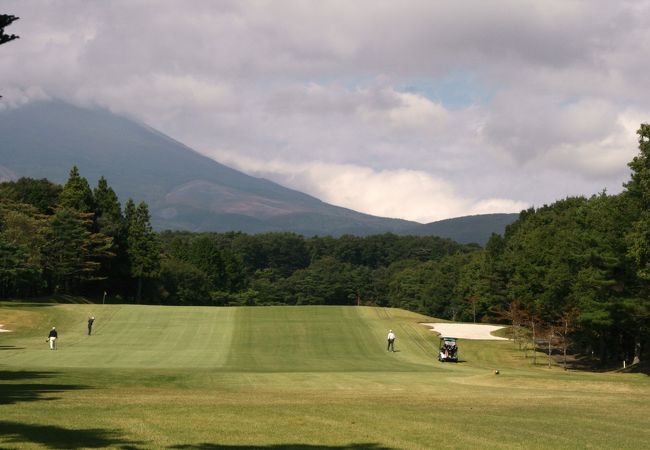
575 273
73 240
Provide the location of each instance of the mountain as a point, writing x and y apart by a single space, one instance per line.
467 229
184 189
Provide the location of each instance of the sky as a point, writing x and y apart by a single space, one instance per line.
420 110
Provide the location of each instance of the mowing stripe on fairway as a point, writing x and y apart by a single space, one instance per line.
311 339
237 339
130 336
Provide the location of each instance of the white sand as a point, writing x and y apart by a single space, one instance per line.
466 330
2 330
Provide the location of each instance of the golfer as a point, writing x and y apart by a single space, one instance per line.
90 324
52 338
391 341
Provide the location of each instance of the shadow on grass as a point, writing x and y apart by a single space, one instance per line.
29 392
352 446
56 437
25 303
642 367
586 363
10 347
9 375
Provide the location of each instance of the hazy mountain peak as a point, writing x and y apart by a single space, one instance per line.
184 189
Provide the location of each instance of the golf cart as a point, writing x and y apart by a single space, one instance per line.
448 351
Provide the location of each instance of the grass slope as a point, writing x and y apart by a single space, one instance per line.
290 377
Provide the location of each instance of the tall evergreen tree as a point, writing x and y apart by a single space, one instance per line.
72 251
638 239
76 193
107 204
143 246
21 241
110 222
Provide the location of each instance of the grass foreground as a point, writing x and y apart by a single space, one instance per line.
290 377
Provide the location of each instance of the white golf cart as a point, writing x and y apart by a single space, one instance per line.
448 351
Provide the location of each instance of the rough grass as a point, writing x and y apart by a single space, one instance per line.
290 377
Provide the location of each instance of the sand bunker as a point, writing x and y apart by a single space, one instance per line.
2 330
466 330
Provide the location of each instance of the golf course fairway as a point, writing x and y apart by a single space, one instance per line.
313 377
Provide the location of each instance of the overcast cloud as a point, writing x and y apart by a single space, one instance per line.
413 109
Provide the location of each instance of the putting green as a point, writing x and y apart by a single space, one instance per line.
313 377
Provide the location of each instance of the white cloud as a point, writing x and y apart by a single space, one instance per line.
406 194
561 89
603 156
403 110
159 97
14 97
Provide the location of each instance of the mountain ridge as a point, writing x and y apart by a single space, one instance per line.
183 188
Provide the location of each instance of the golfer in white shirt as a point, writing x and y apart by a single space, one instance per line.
391 341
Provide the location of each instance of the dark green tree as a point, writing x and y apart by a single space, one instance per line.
71 251
21 238
43 194
638 238
76 193
143 245
326 281
638 190
5 21
110 221
184 283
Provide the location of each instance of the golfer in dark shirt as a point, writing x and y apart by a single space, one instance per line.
52 338
90 324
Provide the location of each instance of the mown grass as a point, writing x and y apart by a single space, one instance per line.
290 377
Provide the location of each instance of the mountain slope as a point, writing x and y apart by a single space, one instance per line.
185 190
467 229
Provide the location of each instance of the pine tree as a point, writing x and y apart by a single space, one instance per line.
106 201
72 251
110 222
76 193
5 21
638 239
143 246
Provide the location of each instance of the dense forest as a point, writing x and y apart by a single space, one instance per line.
575 273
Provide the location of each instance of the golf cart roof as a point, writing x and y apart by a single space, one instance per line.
447 338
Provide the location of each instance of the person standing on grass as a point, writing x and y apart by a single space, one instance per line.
52 338
391 341
90 324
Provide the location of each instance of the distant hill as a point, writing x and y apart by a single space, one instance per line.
468 229
184 189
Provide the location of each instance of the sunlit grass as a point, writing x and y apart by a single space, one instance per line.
155 377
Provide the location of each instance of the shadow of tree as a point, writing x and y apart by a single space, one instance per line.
351 446
11 392
7 375
27 304
62 438
33 386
